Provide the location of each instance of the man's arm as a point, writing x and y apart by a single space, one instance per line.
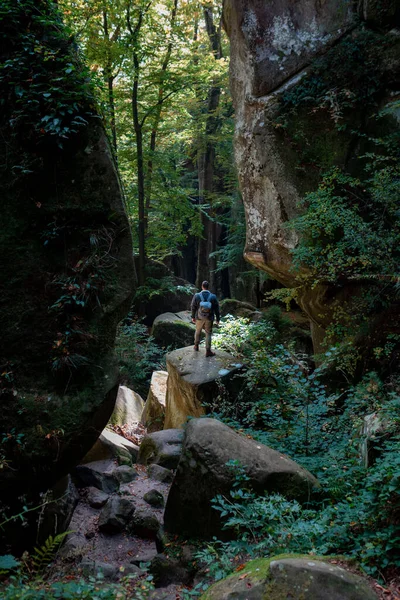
216 309
194 306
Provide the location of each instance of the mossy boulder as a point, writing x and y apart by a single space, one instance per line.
174 330
171 331
293 577
162 448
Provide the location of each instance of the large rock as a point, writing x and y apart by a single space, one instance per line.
173 330
128 407
373 428
67 273
236 308
281 156
305 578
145 524
153 415
162 448
159 473
99 474
203 473
194 380
111 445
116 514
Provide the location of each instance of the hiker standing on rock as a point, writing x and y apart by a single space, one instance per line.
204 307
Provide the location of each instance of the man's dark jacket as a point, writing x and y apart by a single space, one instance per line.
208 297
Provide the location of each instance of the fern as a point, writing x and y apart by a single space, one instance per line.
45 554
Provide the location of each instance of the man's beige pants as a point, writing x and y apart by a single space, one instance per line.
207 325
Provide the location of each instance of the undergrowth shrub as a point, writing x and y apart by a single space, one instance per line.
290 407
138 355
94 589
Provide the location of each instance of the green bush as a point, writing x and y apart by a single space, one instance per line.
291 408
94 589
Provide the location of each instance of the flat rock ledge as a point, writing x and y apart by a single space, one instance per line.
194 381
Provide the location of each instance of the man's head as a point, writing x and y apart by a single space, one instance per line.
204 285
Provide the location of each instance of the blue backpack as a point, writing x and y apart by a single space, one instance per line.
205 307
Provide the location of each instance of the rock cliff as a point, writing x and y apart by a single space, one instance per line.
65 248
285 57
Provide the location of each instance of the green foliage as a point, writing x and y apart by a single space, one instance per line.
45 554
291 408
349 235
43 87
138 355
94 589
7 563
160 287
346 77
350 228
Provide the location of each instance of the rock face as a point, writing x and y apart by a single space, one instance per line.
195 380
273 47
296 578
202 473
67 272
128 407
154 410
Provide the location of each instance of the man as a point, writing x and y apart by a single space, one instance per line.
204 307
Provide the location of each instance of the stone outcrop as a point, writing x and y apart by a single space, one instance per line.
273 47
203 473
302 578
128 407
67 271
195 381
154 410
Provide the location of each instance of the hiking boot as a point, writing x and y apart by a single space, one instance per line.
209 353
196 347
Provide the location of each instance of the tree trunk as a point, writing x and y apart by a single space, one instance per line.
157 117
206 163
139 145
110 84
